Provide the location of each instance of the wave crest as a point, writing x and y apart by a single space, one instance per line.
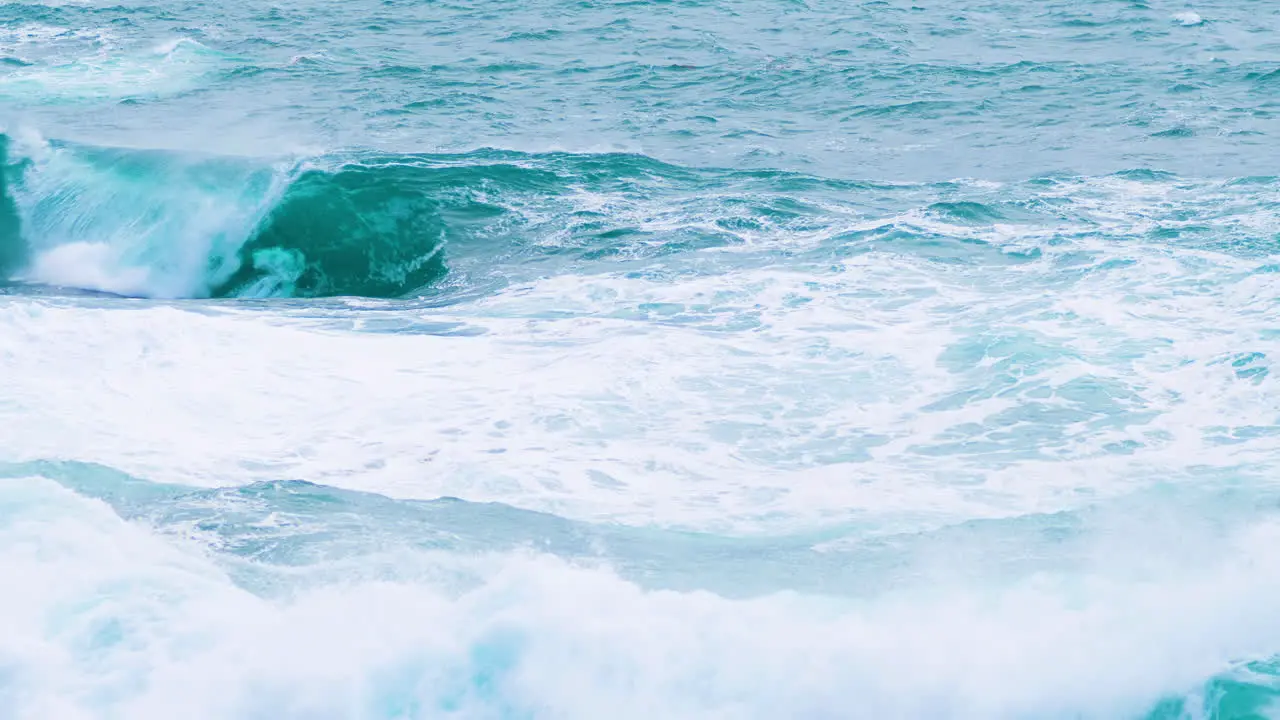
169 225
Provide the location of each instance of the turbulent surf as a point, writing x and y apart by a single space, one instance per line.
397 360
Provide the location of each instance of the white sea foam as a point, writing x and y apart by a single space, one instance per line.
714 401
108 70
110 619
717 400
88 266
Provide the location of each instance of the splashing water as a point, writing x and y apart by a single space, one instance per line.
689 359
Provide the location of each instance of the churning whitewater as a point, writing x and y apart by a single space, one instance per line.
401 360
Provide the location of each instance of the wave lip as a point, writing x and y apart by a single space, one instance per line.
141 223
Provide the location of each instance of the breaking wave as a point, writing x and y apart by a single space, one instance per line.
160 224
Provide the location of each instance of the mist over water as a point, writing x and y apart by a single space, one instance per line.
690 359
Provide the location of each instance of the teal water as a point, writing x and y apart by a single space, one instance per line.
686 359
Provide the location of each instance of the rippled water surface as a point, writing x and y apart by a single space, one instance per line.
688 359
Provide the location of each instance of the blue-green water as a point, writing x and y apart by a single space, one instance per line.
702 359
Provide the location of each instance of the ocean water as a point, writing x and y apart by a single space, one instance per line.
391 359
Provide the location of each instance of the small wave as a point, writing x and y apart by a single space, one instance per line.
966 212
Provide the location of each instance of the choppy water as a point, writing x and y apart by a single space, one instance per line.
691 359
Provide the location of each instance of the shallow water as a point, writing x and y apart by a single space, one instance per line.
652 359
